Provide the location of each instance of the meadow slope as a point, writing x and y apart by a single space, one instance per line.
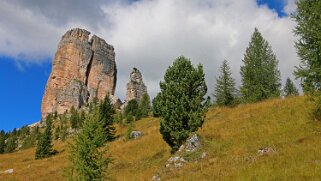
230 136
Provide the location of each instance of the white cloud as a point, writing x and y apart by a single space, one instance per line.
290 6
150 34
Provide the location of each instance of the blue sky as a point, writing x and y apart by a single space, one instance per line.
276 5
23 82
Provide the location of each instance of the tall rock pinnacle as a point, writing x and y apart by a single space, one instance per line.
81 70
135 87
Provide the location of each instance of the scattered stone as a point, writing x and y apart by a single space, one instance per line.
9 171
156 178
181 148
182 160
266 151
193 143
204 154
178 165
173 159
135 134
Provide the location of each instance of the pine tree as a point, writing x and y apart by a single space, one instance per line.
82 118
11 144
225 91
2 141
182 101
308 31
74 118
144 105
290 89
106 112
44 146
131 108
260 74
88 160
57 132
156 105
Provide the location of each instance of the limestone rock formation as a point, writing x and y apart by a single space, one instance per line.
82 69
135 87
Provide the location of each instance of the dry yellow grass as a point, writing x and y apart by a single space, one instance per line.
231 137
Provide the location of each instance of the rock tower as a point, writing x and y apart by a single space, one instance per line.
82 69
135 87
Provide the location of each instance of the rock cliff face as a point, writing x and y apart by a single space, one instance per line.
135 87
81 70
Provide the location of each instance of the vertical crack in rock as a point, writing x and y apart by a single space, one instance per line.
89 68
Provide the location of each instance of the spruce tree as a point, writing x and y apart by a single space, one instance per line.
308 31
144 105
106 113
182 101
131 109
290 89
44 146
88 160
225 91
260 74
11 144
74 118
2 141
156 105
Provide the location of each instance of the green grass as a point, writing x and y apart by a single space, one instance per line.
230 136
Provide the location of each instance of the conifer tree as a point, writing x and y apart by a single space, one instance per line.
57 132
11 144
290 89
144 105
74 118
44 146
2 141
106 112
88 160
260 74
131 109
182 101
225 91
156 105
308 31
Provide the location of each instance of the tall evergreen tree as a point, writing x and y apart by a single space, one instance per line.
144 105
131 109
11 144
225 91
182 101
290 89
260 74
106 112
308 31
88 160
2 141
74 118
44 146
156 105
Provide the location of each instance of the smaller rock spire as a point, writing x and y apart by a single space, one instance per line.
135 87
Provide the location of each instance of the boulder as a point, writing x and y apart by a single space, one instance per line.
135 134
192 143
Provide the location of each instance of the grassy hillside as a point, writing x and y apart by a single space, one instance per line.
230 136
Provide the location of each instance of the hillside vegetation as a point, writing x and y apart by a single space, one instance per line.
230 136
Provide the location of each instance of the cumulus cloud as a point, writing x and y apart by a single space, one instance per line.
150 34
